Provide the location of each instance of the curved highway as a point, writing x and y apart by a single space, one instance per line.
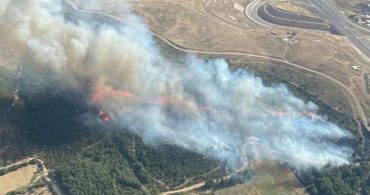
340 23
355 103
251 11
328 11
342 26
353 100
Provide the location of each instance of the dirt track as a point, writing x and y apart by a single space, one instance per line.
192 187
45 173
355 103
360 115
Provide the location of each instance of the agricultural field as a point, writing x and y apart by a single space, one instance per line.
17 179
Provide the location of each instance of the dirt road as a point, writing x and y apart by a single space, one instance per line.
360 115
354 101
45 172
192 187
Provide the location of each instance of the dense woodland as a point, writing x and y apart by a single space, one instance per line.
119 168
99 159
339 180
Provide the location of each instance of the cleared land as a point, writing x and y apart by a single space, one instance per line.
271 178
16 179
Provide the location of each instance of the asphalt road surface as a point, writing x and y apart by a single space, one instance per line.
341 25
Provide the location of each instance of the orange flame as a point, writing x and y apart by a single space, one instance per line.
160 101
125 93
282 113
104 116
206 108
109 91
98 95
103 92
285 113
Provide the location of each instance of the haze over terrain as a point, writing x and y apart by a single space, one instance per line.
198 105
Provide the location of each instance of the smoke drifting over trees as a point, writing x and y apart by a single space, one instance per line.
199 105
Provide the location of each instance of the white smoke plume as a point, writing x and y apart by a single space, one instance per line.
201 106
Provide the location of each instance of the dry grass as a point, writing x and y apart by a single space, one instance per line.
317 86
271 178
16 179
191 30
333 58
187 24
231 11
348 5
294 8
188 27
329 54
313 84
361 91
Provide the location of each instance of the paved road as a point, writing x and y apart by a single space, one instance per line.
334 17
251 12
355 103
342 26
348 20
352 98
328 11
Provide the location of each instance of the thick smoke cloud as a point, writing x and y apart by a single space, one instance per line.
198 105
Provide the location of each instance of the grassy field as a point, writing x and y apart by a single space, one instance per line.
271 178
16 179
